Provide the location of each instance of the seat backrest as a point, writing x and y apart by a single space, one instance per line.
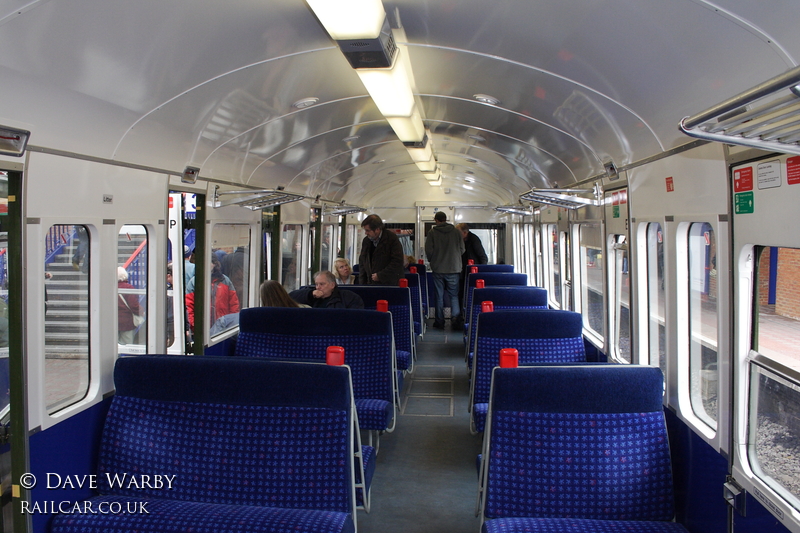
491 279
422 270
416 300
504 298
228 430
495 268
305 334
399 299
539 335
577 441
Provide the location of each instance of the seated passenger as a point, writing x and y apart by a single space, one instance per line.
326 294
274 295
343 272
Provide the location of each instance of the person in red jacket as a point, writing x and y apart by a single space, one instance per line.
224 301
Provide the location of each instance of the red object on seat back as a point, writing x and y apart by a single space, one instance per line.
473 270
480 284
403 282
413 270
383 306
470 262
335 356
509 358
421 261
487 306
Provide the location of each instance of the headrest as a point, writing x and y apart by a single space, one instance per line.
530 324
577 388
498 278
233 381
314 322
522 296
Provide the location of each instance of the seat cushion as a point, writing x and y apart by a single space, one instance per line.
403 359
574 525
374 414
159 515
479 411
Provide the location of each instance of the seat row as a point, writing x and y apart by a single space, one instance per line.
246 444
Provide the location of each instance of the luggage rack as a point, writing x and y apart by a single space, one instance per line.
256 199
567 198
766 117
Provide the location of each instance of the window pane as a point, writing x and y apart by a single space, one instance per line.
591 262
230 270
778 305
622 315
328 247
555 277
774 431
703 322
66 321
132 289
655 296
291 255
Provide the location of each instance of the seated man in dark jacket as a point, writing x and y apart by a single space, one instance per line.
326 294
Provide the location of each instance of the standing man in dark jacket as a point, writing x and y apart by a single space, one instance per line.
381 259
473 249
444 247
325 294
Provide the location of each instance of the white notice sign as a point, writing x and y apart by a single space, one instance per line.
769 174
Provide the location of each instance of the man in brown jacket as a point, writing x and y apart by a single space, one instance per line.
381 259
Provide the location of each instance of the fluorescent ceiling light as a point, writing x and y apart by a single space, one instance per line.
408 129
437 183
427 166
421 154
390 89
433 175
350 19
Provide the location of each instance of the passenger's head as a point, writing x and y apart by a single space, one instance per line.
409 260
325 282
122 274
463 228
342 268
274 295
372 226
440 217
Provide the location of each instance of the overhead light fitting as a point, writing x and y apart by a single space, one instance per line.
13 141
486 99
427 166
343 209
566 198
256 199
515 209
305 102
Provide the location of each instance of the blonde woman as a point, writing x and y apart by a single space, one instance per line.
343 272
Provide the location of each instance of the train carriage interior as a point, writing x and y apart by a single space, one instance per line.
636 162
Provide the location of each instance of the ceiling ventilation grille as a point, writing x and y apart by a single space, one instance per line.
766 117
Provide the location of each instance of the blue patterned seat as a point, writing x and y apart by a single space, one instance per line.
399 300
422 270
491 279
503 298
577 448
304 334
253 445
539 335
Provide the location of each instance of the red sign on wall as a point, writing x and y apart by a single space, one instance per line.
743 179
793 170
670 184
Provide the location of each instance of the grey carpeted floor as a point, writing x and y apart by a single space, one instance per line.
425 478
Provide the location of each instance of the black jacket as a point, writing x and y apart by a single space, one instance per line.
473 249
386 260
337 300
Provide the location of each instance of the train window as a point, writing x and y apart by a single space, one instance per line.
329 246
591 263
353 243
703 315
66 320
554 277
132 289
654 264
291 255
774 431
230 272
620 288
